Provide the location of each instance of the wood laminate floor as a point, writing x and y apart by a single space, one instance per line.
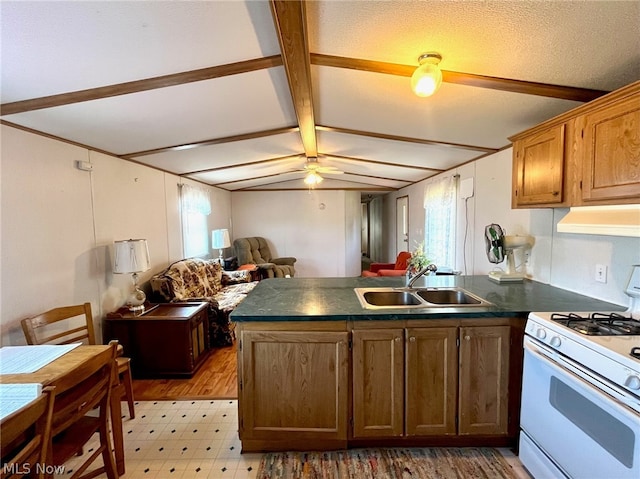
216 379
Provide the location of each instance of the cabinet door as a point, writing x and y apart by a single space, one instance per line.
294 385
611 161
484 380
199 337
431 381
538 169
378 398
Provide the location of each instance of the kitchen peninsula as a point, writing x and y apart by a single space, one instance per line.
316 370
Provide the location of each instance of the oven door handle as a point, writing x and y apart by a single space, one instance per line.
556 364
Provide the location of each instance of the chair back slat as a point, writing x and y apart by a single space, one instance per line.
76 335
47 328
88 387
26 435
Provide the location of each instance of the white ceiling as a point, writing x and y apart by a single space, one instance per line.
238 127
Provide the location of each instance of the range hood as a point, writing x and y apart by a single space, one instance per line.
618 220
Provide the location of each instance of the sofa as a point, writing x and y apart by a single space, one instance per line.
399 268
255 250
196 279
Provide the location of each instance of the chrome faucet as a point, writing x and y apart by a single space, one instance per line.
422 272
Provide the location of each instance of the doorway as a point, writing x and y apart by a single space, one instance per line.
402 224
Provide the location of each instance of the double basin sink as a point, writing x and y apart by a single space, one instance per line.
379 298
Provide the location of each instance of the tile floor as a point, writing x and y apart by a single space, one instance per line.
194 439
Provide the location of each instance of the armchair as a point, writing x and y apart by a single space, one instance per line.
255 250
399 268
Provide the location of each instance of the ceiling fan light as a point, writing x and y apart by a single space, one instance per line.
427 78
313 178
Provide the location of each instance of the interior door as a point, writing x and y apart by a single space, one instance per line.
402 224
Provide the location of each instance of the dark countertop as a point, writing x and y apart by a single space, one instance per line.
334 299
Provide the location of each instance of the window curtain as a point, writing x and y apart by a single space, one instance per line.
440 221
196 206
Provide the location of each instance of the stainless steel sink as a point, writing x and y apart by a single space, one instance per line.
448 296
391 298
385 298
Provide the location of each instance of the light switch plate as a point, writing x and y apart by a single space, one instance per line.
601 273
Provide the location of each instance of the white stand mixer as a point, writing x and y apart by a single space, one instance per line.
513 273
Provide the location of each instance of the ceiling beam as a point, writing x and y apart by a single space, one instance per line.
140 85
242 165
214 141
290 21
386 163
468 79
420 141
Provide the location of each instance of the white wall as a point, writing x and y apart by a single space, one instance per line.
58 225
316 227
563 260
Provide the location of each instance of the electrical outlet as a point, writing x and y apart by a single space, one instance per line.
601 273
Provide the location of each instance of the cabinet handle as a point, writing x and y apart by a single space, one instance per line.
555 193
467 338
397 339
412 339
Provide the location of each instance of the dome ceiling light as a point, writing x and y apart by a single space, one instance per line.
312 179
427 78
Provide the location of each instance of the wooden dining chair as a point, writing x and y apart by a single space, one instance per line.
26 438
46 328
87 389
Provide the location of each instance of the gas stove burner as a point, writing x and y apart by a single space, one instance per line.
599 324
585 327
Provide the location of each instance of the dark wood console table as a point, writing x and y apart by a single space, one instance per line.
167 340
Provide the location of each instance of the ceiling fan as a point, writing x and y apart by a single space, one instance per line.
313 169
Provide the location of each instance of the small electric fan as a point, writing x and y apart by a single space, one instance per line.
500 246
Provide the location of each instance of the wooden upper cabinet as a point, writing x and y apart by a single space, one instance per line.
587 156
538 167
611 152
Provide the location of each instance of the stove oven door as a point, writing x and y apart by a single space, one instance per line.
572 424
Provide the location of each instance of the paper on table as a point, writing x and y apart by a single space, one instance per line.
28 359
14 396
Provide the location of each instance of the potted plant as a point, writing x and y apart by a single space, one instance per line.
418 260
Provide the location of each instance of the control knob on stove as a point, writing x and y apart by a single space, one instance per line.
633 382
541 333
555 341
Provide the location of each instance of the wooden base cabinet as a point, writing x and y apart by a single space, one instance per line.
431 381
484 380
441 381
293 389
378 396
448 382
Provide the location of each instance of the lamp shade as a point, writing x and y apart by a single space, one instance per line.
220 239
131 256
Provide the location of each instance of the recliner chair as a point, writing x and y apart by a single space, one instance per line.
255 250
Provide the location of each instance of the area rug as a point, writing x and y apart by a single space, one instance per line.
431 463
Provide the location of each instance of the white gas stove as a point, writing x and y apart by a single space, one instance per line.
581 392
607 354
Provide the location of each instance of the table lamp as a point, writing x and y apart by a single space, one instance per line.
132 256
220 240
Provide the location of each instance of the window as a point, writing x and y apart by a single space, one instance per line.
440 221
195 206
